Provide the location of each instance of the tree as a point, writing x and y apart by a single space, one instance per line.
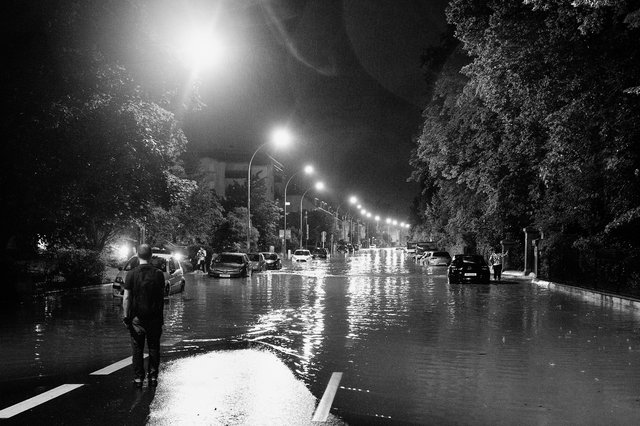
89 151
265 214
540 128
232 232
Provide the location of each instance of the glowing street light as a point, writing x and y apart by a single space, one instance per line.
279 138
319 186
200 47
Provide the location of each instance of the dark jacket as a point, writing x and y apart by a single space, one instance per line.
146 284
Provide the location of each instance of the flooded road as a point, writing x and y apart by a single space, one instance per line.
411 347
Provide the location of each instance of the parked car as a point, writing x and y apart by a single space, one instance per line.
439 258
301 255
468 268
169 264
258 262
320 253
423 258
272 260
228 265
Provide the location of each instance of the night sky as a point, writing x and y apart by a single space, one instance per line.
344 76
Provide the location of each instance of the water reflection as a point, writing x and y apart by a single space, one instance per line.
411 346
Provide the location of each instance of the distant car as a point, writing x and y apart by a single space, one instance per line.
301 255
272 260
439 258
468 268
228 265
169 264
258 262
320 253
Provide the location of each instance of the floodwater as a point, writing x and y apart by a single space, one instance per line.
411 347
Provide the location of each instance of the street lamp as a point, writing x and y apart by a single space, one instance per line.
319 186
308 170
279 138
352 200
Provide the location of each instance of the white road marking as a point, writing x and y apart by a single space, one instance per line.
37 400
114 367
322 411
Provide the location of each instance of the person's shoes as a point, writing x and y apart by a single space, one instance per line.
137 383
153 382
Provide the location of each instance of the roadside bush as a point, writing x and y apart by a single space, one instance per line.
80 267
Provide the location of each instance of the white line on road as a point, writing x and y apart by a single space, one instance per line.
322 412
113 367
37 400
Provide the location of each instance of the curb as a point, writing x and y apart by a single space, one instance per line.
595 296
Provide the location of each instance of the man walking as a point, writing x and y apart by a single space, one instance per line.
143 304
496 262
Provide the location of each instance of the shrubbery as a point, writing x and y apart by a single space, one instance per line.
80 267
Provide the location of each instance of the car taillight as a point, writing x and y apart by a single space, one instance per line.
119 280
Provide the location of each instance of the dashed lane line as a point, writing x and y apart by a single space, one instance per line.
114 367
37 400
322 411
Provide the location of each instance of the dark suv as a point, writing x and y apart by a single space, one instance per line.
320 253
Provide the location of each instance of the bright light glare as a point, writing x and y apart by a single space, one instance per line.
368 214
388 220
353 200
281 137
308 169
178 256
319 186
395 222
377 218
201 49
123 251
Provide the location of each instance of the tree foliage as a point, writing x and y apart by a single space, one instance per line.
88 150
539 126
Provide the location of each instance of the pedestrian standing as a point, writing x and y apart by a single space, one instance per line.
143 305
496 262
202 256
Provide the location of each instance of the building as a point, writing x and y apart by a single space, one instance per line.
221 169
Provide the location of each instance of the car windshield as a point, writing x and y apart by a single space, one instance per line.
132 263
440 254
254 257
159 262
302 252
229 258
271 256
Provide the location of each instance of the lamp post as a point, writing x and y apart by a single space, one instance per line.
279 137
308 170
352 200
318 186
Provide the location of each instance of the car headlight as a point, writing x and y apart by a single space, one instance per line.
119 280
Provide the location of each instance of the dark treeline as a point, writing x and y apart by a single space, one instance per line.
94 149
534 120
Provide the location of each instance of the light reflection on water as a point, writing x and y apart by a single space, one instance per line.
411 347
